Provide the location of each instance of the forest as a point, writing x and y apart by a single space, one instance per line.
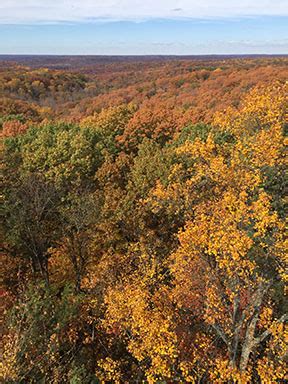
143 220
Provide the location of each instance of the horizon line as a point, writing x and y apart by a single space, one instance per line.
143 55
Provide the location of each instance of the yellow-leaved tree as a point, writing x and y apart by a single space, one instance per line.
229 267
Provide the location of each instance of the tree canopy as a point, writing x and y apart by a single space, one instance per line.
141 241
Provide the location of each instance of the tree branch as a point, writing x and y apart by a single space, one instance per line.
266 333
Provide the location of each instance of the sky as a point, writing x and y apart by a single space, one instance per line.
139 27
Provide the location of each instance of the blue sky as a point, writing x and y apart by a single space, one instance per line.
143 27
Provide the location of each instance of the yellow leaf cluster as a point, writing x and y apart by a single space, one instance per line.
148 330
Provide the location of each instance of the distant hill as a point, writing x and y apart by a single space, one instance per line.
71 62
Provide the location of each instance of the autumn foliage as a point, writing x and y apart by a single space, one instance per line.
144 217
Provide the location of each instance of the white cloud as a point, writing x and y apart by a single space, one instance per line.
90 47
56 11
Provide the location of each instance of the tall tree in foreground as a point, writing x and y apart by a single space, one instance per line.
229 268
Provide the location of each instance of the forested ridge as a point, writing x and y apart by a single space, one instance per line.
143 229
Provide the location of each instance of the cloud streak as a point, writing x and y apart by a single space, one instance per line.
73 11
